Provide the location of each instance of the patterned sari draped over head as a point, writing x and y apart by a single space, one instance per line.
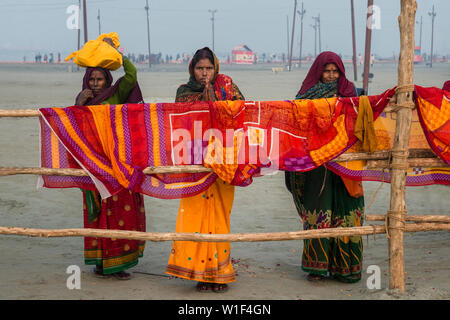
209 211
325 200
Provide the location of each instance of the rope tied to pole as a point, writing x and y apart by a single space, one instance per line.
374 227
405 88
408 88
401 154
399 215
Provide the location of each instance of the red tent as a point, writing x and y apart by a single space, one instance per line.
242 55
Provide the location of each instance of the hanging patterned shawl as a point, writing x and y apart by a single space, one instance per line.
115 143
429 129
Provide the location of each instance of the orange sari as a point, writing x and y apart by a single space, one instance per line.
208 212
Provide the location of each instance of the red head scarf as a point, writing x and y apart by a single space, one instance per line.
446 86
345 87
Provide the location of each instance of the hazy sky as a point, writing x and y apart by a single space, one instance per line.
179 26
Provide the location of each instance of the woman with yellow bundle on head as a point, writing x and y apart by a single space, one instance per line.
122 211
209 263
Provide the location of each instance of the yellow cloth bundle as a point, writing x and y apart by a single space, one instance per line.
98 53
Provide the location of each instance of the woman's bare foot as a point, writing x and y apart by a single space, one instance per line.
315 277
122 275
220 287
203 287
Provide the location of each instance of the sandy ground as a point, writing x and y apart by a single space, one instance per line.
35 268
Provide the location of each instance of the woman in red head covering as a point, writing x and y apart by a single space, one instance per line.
446 86
322 198
326 71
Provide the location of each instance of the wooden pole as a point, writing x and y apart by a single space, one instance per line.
427 218
8 171
287 32
148 36
432 14
301 13
213 12
292 36
372 164
22 113
397 210
418 162
79 25
235 237
368 46
355 67
379 159
85 21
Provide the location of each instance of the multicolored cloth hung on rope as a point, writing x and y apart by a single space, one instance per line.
430 129
239 140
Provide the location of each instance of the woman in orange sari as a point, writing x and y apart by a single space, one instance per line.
209 263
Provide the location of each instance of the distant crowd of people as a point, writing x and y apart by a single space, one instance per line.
46 58
158 58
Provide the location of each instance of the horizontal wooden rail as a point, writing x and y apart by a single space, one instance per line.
19 113
8 171
411 218
236 237
22 113
412 162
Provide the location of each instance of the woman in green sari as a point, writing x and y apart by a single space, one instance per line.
324 199
124 210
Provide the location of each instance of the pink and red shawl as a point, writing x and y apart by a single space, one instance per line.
114 143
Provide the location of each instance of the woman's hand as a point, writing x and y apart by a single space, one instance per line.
208 92
85 95
109 41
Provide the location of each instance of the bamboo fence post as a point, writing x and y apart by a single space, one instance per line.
396 214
